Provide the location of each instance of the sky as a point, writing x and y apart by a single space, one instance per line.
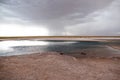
59 17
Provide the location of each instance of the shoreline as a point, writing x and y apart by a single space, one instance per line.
67 38
115 46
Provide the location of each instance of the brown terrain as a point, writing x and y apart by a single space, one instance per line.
81 65
55 66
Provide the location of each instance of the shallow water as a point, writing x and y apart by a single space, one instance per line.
19 47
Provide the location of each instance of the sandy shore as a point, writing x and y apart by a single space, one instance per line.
115 46
53 66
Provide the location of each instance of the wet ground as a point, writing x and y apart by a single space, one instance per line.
73 48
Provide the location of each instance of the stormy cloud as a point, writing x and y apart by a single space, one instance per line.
61 17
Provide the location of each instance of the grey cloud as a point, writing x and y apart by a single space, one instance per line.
103 22
40 10
64 16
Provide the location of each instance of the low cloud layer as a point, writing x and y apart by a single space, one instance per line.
62 17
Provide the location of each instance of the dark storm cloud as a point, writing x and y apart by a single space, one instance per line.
53 9
102 22
59 15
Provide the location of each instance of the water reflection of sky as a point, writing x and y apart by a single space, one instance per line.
7 46
18 47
